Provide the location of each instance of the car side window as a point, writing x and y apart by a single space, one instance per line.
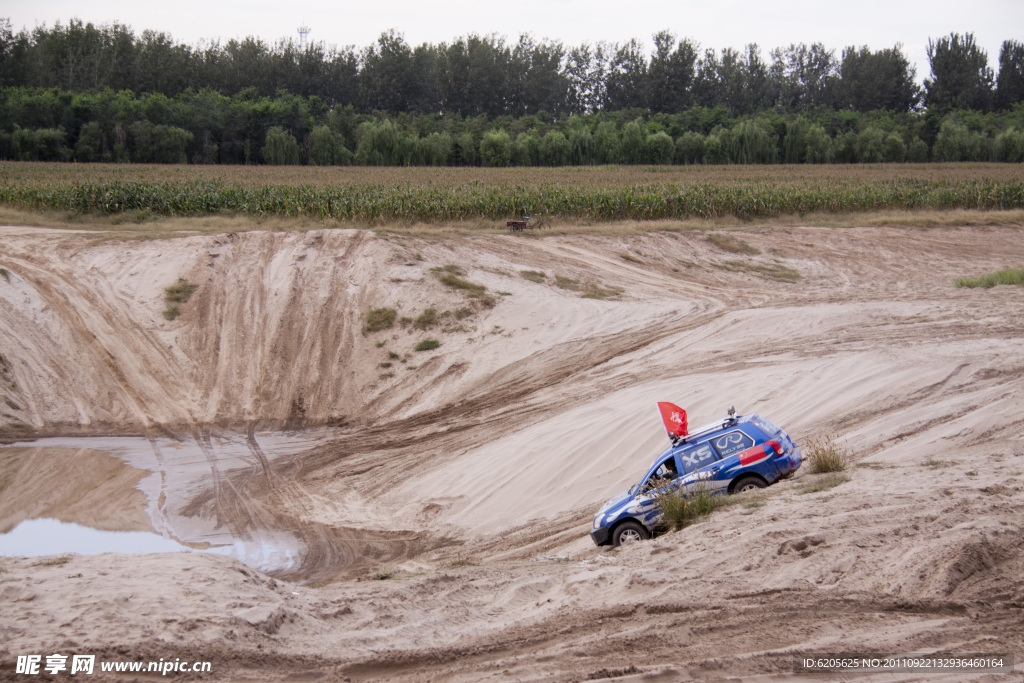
696 457
732 442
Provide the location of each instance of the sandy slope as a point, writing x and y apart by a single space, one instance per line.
471 474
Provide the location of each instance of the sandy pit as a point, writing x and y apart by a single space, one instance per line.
350 508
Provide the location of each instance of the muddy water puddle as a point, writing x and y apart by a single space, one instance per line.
130 494
37 537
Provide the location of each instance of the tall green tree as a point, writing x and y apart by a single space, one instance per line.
738 80
626 82
386 77
1010 83
671 73
806 76
582 88
960 75
877 80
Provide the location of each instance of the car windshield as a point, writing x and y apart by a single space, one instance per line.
665 463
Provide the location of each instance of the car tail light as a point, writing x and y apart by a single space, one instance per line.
776 446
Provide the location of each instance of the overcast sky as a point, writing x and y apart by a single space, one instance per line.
728 23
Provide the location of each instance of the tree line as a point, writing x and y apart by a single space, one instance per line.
476 74
207 127
87 93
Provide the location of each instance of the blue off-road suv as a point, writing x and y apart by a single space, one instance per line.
738 453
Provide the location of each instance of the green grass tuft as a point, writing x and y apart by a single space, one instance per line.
680 509
378 319
427 319
451 276
533 275
427 345
456 282
179 292
1010 276
6 275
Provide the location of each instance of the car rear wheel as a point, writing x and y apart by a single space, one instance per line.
627 532
748 484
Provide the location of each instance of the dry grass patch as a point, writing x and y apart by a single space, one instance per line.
731 244
934 464
823 483
567 283
826 454
452 276
589 290
178 293
595 290
533 275
772 271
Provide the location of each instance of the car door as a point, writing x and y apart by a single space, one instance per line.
699 465
662 475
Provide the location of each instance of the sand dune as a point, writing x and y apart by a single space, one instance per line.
469 474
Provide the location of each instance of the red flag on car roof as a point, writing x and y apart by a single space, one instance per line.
674 418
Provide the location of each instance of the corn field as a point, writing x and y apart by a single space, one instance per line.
372 195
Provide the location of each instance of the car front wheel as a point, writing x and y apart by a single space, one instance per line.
748 484
627 532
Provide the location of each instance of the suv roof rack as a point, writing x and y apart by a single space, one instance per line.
730 419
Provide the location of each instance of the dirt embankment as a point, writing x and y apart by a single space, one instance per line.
468 473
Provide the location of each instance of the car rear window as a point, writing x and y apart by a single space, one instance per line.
766 426
732 442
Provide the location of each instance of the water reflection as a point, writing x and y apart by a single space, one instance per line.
36 537
179 470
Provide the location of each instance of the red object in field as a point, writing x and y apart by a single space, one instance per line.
674 418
